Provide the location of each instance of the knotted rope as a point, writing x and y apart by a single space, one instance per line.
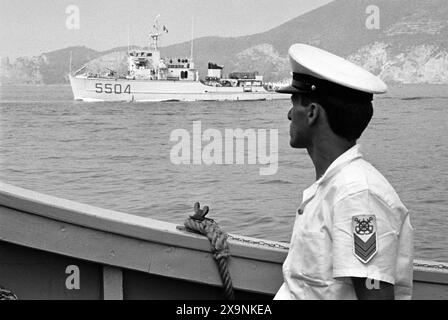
218 240
7 295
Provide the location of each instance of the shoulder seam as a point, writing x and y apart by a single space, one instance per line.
370 192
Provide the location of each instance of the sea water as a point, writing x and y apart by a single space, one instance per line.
117 156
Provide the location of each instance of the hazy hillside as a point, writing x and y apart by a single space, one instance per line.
49 68
410 45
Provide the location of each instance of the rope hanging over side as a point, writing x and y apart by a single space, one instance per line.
218 240
7 295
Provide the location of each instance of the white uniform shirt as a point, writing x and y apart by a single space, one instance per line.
321 258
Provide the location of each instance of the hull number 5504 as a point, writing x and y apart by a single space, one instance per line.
112 88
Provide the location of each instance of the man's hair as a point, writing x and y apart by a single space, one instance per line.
348 111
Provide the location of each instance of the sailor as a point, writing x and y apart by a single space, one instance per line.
352 237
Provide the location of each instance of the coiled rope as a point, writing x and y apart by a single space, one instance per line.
218 239
7 295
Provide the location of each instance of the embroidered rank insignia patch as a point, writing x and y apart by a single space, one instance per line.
364 237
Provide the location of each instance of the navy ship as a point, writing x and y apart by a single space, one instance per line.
153 78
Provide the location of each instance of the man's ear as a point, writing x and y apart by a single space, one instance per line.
313 113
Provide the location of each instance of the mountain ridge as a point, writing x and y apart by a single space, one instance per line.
410 45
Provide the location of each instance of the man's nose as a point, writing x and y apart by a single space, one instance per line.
289 114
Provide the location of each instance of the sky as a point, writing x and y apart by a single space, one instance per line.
31 27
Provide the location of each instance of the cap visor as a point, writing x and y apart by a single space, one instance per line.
288 89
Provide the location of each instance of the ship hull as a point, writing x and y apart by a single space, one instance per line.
100 89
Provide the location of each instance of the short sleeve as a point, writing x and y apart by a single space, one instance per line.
382 265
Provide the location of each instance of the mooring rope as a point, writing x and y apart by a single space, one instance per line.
218 240
7 295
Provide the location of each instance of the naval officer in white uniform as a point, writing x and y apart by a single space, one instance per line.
352 237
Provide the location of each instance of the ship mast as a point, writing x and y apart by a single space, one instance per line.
192 36
129 40
70 64
154 35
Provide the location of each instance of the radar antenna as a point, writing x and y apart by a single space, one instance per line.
156 33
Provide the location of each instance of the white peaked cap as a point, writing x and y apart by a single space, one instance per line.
309 63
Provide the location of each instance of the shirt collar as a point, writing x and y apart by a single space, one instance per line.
336 166
340 162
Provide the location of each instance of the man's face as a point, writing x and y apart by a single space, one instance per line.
299 129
